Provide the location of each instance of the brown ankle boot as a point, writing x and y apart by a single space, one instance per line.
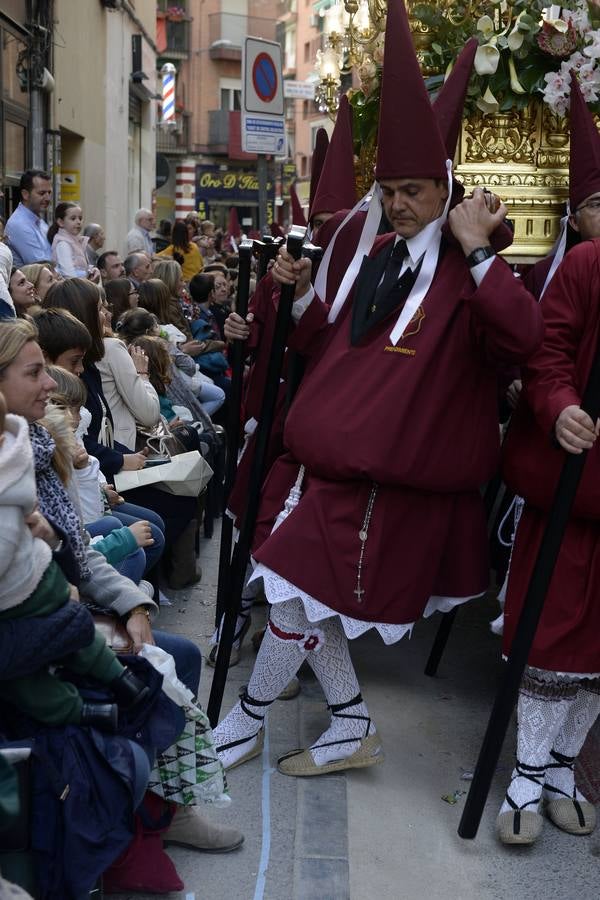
183 559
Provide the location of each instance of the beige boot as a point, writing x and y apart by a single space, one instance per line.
190 829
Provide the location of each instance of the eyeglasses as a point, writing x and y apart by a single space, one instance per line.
594 205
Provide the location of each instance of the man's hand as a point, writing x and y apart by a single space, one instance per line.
80 458
575 430
472 222
134 461
288 270
235 328
514 392
41 528
113 498
142 533
139 630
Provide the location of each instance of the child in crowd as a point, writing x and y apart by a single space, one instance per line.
122 545
33 585
68 244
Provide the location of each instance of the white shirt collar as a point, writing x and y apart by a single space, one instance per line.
418 244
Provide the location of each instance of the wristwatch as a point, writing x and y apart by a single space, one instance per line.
139 611
479 255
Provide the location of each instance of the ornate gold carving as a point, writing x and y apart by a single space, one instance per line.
502 138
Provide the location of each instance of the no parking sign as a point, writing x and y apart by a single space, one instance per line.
263 128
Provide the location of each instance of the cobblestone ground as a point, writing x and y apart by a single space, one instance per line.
387 832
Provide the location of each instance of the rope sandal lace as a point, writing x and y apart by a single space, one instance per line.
300 763
258 736
519 825
569 812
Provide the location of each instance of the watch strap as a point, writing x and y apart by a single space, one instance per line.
479 255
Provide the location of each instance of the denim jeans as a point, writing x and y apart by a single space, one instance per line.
134 565
211 397
127 514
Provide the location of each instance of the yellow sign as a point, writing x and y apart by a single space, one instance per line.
69 185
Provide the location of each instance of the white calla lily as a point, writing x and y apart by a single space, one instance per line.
486 26
487 58
515 84
515 39
488 103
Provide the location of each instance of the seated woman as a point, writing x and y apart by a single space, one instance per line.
21 292
155 298
121 295
42 277
179 515
183 251
26 386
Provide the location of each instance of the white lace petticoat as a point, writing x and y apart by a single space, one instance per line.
277 590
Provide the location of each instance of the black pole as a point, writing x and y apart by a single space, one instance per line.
506 696
243 546
266 250
296 363
234 403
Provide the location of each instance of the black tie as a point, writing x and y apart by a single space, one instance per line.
391 274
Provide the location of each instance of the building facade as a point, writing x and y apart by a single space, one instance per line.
78 99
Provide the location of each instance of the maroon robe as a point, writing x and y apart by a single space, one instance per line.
420 421
567 637
263 306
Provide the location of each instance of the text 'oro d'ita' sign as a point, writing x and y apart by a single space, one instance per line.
263 125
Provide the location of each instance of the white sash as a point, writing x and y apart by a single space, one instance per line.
559 251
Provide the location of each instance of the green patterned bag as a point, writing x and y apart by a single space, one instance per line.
189 771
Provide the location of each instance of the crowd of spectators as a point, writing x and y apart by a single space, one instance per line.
97 352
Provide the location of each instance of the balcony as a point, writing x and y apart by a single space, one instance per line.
218 130
174 140
227 31
173 38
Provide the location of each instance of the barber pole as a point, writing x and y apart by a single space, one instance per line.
168 94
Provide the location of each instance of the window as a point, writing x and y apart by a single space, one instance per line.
231 98
307 52
303 165
15 143
290 48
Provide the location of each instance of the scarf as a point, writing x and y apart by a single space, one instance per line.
53 498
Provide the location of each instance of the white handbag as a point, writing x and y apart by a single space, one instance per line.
187 474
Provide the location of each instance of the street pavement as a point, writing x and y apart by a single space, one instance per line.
388 832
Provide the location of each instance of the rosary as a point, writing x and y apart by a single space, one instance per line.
363 535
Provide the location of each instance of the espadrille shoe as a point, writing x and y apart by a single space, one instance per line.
520 826
572 816
253 743
236 647
300 764
570 812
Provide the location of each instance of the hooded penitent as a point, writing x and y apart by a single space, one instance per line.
337 185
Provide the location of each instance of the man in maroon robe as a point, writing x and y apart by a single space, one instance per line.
391 434
559 699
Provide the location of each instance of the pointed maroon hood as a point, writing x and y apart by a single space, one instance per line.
409 143
298 217
449 104
316 166
337 185
584 166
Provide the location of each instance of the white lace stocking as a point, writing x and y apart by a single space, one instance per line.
278 660
333 667
289 639
541 712
582 714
